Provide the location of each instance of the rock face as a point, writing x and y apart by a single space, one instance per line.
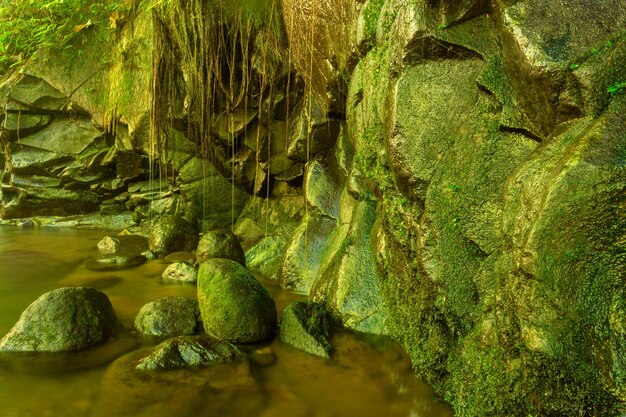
233 304
67 319
170 316
220 244
172 234
450 173
190 352
308 326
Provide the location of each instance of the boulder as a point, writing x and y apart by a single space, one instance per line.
190 351
180 272
234 306
308 327
66 319
220 243
172 234
169 316
210 197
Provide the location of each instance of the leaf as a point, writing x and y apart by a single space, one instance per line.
87 25
115 17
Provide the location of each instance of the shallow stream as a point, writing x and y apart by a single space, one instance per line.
368 376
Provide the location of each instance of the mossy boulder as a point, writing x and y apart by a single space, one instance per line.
190 352
169 316
308 327
66 319
172 234
234 306
221 243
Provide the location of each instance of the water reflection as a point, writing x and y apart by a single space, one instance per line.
368 376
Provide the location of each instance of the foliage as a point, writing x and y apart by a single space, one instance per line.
616 87
28 25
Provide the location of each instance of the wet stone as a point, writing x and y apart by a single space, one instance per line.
172 234
170 316
186 352
233 304
308 327
115 262
180 272
66 319
220 243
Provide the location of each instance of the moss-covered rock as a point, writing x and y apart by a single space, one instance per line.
169 316
234 306
308 327
348 282
172 234
220 243
66 319
190 352
304 253
543 41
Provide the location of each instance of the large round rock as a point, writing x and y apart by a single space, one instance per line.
234 306
169 316
66 319
220 243
172 234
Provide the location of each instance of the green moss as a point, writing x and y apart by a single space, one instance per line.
26 26
371 14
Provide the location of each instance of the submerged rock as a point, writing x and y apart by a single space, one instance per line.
233 304
119 252
190 351
220 243
170 316
116 262
66 319
180 272
172 234
307 326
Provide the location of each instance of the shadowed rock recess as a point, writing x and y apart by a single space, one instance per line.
449 173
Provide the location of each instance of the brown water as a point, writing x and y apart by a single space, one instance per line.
368 376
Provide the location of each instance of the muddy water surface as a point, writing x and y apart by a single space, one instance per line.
369 376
